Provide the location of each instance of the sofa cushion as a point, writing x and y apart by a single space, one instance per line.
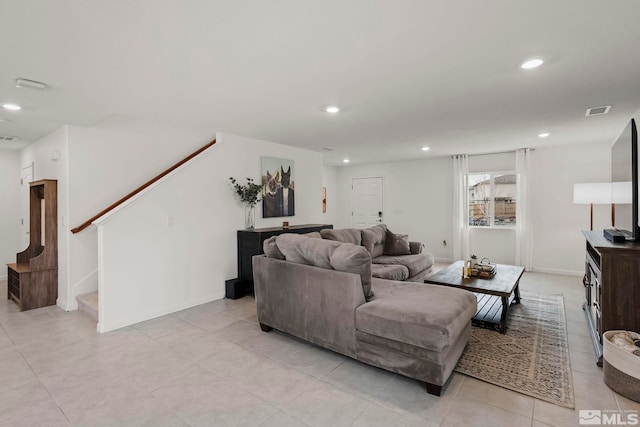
329 254
270 248
390 272
313 234
345 235
422 315
354 259
373 239
396 244
302 250
415 263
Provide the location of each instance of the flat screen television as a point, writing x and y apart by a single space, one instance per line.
624 182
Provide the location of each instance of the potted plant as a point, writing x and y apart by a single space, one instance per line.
474 261
249 195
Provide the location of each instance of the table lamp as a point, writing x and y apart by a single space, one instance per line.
593 193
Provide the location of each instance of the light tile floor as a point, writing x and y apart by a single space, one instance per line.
212 366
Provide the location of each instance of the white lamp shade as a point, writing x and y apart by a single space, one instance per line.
597 193
621 193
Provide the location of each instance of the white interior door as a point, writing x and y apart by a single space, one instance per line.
25 179
366 202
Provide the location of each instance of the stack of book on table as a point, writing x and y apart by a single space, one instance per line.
484 271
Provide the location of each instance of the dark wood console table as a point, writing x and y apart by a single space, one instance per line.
249 245
612 287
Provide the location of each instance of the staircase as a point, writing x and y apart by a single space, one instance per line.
89 304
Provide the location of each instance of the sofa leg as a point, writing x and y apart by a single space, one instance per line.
433 389
265 328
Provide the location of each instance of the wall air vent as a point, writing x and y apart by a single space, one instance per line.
7 138
598 111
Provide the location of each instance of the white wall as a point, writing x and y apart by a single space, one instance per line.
174 246
42 153
329 177
417 199
558 244
106 162
10 229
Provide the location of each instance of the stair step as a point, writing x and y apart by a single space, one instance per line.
89 304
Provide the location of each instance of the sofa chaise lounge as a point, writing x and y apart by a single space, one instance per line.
322 291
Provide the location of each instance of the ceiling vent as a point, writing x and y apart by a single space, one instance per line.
598 111
7 138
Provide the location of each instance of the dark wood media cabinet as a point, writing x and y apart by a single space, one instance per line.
612 287
250 244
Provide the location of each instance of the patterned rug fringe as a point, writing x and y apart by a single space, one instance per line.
532 358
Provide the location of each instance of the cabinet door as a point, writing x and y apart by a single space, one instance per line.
248 246
620 293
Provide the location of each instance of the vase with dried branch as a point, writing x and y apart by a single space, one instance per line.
249 194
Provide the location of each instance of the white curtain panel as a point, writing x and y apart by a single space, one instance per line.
460 207
524 233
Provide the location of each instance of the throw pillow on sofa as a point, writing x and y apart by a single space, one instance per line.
396 244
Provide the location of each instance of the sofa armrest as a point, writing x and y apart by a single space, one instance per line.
312 303
416 247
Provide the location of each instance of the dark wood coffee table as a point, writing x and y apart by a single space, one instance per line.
494 295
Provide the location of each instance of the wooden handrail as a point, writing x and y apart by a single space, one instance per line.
139 189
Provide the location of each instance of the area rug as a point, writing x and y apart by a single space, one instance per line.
532 358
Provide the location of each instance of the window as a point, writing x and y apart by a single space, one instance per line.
492 199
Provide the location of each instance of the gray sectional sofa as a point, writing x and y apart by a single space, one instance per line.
393 256
323 291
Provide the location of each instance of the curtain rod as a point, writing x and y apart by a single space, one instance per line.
493 152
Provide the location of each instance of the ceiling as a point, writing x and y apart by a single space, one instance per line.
405 73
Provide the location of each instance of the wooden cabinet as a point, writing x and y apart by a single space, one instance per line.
33 279
612 287
250 244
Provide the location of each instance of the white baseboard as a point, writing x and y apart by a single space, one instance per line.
62 303
535 269
557 271
141 317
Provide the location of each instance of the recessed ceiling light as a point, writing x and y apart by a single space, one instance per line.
332 109
11 107
345 161
543 134
426 148
531 63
